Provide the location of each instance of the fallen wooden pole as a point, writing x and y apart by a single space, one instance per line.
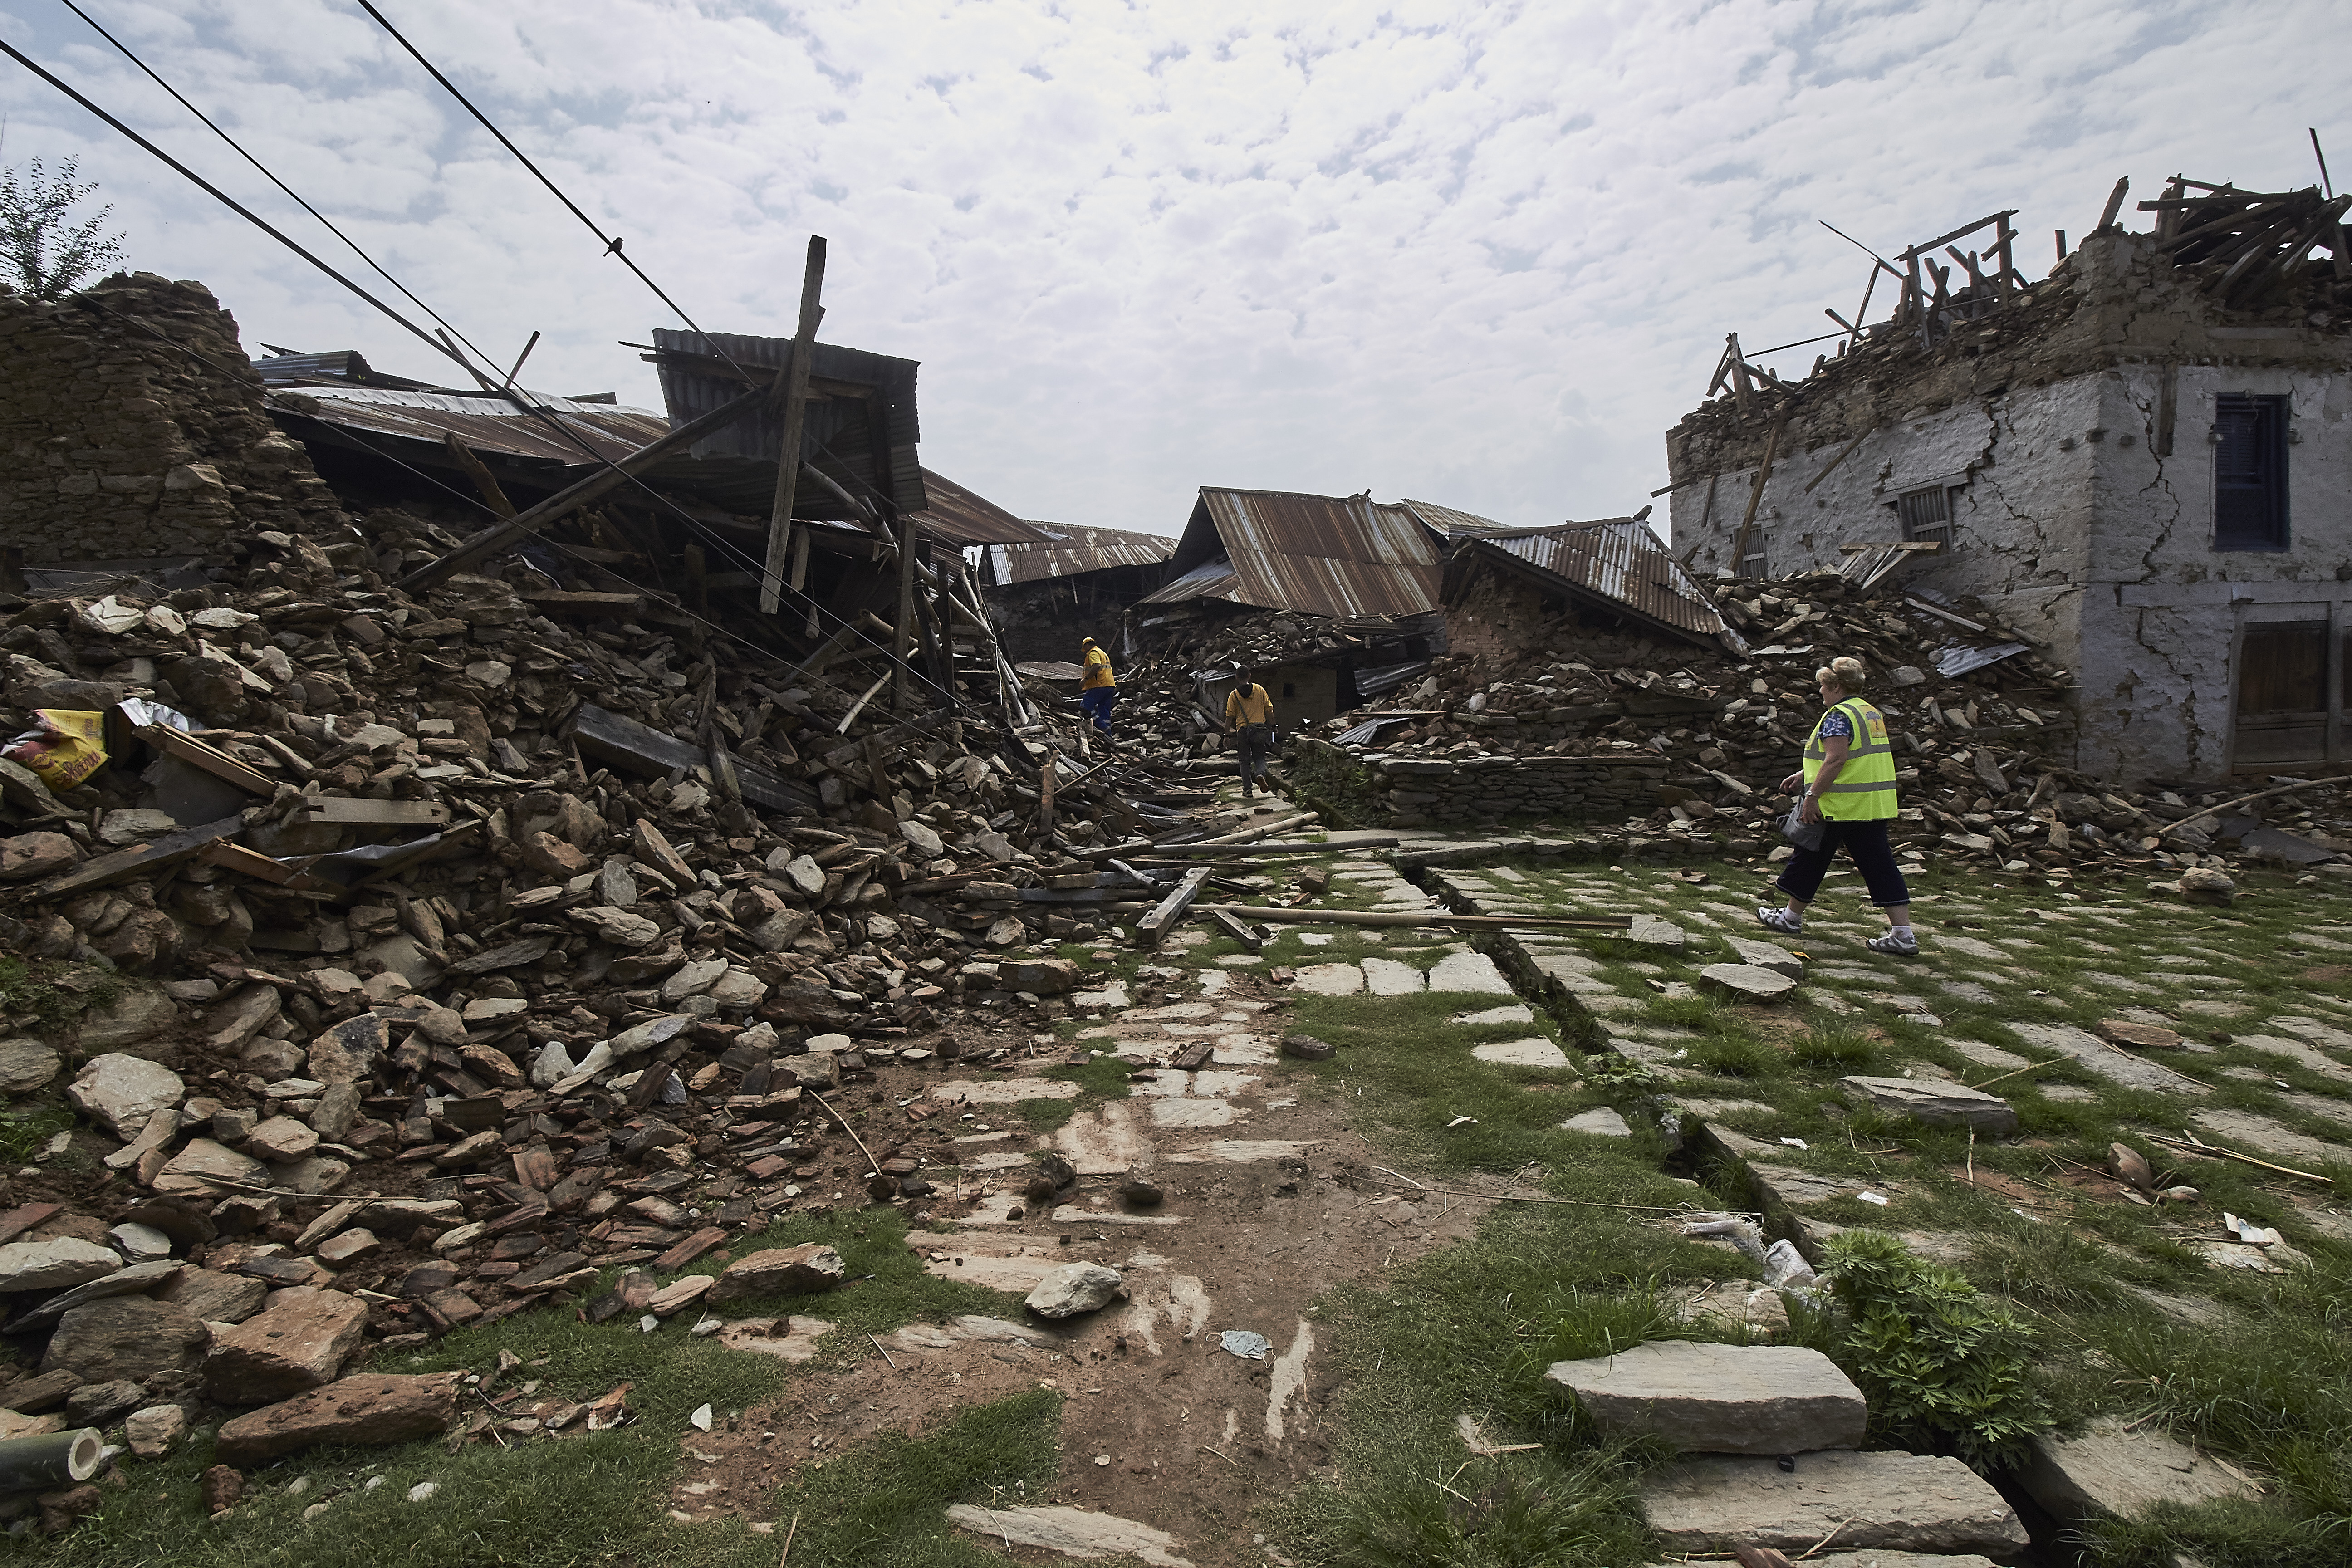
1417 917
788 449
2215 811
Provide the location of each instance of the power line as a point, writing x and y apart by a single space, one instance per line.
612 243
222 197
294 196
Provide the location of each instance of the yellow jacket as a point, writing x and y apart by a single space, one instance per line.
1248 706
1099 673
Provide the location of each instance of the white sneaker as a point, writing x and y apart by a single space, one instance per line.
1779 920
1895 945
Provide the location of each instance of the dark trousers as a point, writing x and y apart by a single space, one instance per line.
1866 842
1097 702
1256 739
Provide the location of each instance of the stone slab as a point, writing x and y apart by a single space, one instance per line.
2250 1134
1601 1122
2110 1062
2111 1471
1934 1104
1719 1399
1905 1502
1766 955
1387 977
1747 983
1471 972
1528 1053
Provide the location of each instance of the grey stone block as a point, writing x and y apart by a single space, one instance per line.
1721 1399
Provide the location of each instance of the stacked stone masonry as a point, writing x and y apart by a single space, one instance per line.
132 428
1415 791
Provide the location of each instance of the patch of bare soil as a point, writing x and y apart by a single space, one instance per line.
1267 1205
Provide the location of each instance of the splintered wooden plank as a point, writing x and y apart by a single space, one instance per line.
623 743
294 879
1171 909
344 811
567 602
211 759
139 859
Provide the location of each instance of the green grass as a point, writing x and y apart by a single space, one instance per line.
53 995
598 1498
1104 1077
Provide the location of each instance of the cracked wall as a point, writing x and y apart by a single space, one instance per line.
2042 425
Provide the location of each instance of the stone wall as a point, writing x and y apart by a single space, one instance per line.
2068 519
1415 791
132 428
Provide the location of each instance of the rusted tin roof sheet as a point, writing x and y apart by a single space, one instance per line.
1453 523
1342 557
962 516
859 426
1068 551
1619 564
485 424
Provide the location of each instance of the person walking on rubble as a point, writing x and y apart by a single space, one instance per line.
1099 690
1848 781
1249 714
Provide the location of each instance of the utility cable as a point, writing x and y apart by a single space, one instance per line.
225 198
235 146
612 243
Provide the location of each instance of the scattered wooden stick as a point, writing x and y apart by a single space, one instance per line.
2014 1071
1426 918
885 1355
2195 1145
871 1163
795 1529
1222 1455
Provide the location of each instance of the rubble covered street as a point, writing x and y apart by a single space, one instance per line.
584 1008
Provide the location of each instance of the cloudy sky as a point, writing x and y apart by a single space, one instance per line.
1477 254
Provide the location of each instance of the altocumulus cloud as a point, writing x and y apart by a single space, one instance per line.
1483 254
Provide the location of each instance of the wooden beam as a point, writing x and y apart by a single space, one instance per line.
795 411
902 645
211 759
623 743
1170 911
1416 918
480 473
346 811
139 859
593 488
1756 495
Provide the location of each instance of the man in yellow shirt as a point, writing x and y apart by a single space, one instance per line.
1099 690
1249 714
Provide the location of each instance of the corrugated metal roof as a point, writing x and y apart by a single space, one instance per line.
962 516
337 365
1069 550
1620 563
490 425
1325 555
853 392
1452 522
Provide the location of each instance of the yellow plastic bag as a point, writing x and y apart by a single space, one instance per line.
66 746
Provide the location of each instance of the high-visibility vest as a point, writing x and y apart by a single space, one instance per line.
1864 789
1099 673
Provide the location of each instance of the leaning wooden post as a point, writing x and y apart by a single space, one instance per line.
788 454
902 649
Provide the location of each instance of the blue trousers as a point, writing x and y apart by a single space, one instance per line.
1097 702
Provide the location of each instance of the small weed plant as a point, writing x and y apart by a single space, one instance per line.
1946 1368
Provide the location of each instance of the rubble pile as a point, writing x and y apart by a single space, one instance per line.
459 947
1973 710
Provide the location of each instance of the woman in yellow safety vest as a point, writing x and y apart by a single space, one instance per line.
1848 781
1099 690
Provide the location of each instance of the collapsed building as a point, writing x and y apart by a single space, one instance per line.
1079 582
2139 463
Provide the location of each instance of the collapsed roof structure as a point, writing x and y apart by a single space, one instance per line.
2135 461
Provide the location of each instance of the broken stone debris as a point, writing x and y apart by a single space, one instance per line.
1074 1289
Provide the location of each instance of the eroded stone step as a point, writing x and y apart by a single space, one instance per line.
1719 1399
1897 1502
